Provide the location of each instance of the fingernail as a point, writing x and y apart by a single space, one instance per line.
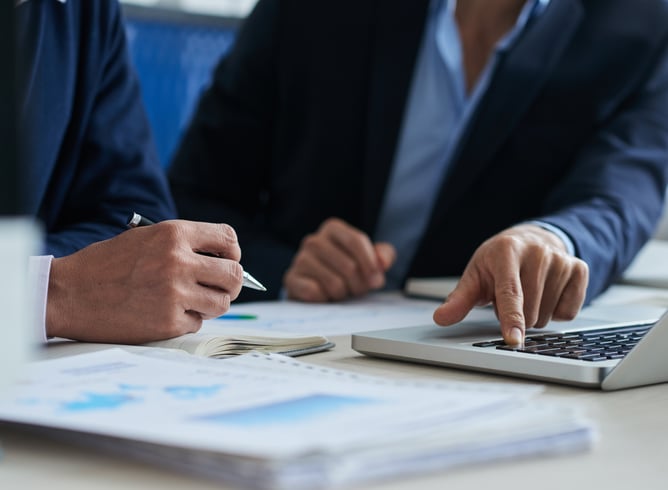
515 336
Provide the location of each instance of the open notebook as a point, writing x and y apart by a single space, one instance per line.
216 339
607 347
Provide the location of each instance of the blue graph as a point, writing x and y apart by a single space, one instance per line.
296 410
193 392
99 401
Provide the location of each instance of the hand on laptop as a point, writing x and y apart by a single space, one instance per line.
526 274
337 262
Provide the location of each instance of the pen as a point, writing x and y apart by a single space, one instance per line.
249 281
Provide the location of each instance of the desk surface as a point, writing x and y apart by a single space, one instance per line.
631 446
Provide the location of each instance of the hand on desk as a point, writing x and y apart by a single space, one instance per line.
337 262
527 275
145 284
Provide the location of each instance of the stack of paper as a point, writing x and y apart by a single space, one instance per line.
269 421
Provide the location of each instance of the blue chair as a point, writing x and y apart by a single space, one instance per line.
174 54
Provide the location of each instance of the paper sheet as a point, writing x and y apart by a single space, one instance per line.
268 421
374 312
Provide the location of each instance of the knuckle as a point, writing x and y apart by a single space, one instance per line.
171 231
227 234
353 239
229 240
581 270
298 262
310 242
509 289
514 317
221 303
507 241
543 255
215 303
332 222
236 271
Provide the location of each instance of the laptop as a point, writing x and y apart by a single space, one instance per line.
608 348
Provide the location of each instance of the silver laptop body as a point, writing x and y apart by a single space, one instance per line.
646 363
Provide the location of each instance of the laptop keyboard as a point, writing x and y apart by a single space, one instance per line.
593 345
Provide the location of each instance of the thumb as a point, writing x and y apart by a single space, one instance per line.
386 254
465 296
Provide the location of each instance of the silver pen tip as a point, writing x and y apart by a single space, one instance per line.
251 282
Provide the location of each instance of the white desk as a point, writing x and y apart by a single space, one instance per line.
631 451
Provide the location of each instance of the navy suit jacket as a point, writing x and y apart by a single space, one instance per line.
302 120
88 156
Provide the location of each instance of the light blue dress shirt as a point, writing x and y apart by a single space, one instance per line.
438 109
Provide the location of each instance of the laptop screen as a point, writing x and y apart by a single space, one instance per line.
9 168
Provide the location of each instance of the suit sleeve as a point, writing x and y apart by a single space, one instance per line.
118 169
221 169
611 202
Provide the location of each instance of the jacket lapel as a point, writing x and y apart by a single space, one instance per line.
518 78
399 25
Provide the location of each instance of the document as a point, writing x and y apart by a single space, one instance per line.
373 312
272 422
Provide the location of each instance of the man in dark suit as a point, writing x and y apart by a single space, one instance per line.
522 144
89 162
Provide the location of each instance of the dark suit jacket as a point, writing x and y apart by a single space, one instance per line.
302 120
89 159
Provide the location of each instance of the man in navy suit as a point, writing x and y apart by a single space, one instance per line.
89 163
521 144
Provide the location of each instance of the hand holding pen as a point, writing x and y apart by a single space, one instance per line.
146 284
137 220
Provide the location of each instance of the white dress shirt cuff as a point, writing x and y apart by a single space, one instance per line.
39 268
